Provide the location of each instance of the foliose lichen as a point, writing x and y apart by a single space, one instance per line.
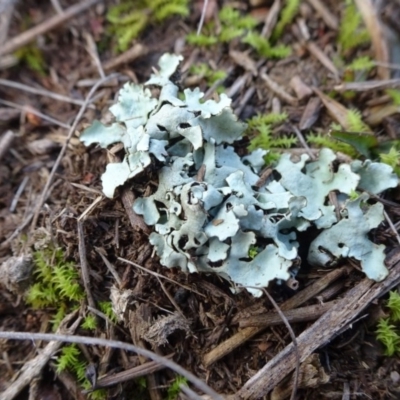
208 212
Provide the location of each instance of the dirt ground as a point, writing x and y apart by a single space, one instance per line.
59 201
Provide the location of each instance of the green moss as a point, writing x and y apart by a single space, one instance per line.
234 25
388 328
287 15
128 19
210 76
253 251
264 48
32 57
260 130
56 284
106 308
395 96
361 64
323 140
175 388
356 124
352 33
392 158
71 359
89 323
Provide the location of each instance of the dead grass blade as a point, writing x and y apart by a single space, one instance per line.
118 345
368 12
31 34
64 148
33 368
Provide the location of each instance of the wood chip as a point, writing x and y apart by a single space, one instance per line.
336 110
300 88
310 114
278 90
243 59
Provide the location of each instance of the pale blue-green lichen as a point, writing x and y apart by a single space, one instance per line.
207 211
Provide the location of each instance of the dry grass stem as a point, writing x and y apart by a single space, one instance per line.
246 334
368 85
391 226
31 34
35 112
271 18
84 265
302 314
278 90
64 148
33 368
5 142
110 267
370 16
40 92
324 12
156 274
118 345
130 374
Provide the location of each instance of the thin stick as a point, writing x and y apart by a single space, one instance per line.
329 19
156 274
302 314
368 85
92 50
129 374
271 19
203 14
190 393
321 332
389 221
246 334
278 89
170 298
303 142
17 196
118 345
57 6
40 92
84 265
5 142
35 112
294 341
33 368
64 148
110 267
91 207
31 34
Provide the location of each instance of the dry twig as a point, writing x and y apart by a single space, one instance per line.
5 142
33 368
84 265
322 331
130 374
31 34
302 314
329 19
246 334
118 345
370 16
64 148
